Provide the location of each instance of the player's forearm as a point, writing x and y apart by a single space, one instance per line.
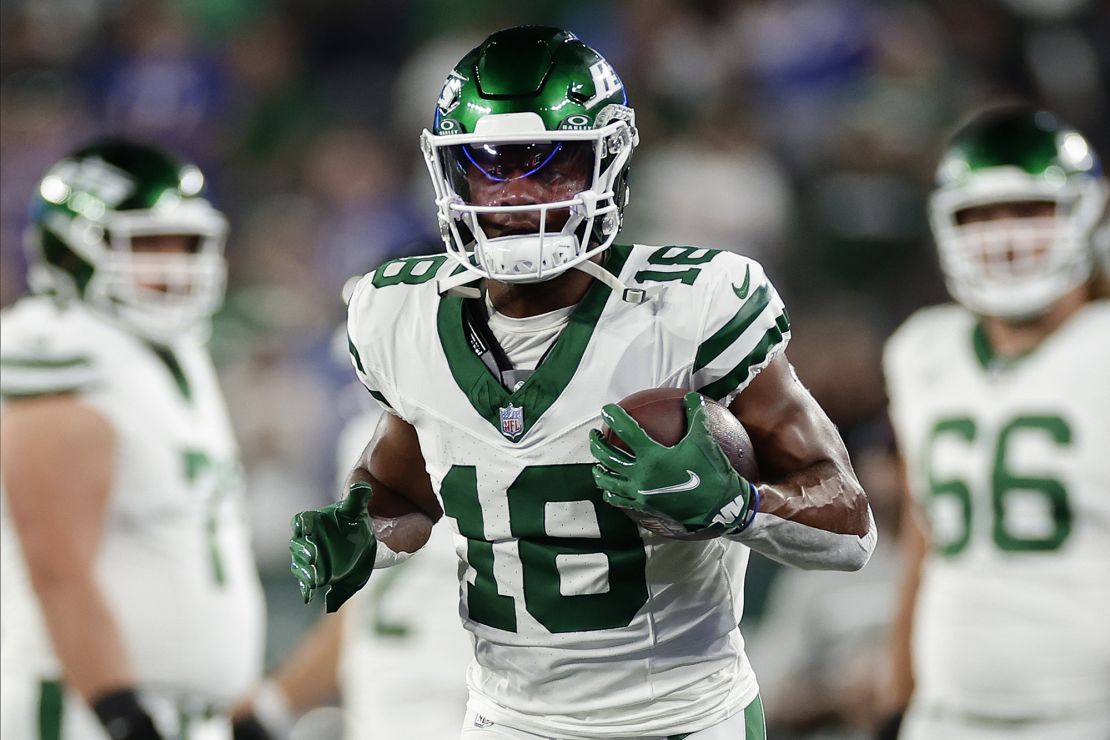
84 633
817 519
901 682
823 496
308 677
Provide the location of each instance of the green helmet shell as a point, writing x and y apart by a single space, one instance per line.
96 181
1034 142
532 69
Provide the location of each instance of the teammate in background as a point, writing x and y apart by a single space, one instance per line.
1002 410
496 360
396 654
131 604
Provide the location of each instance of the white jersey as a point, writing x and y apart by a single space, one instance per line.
1009 460
403 663
584 625
175 563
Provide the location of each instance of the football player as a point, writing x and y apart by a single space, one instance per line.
497 361
1002 410
131 603
396 654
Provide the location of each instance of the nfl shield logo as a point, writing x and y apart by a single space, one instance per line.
512 421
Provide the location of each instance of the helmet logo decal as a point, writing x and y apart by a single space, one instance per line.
94 176
606 82
449 95
575 122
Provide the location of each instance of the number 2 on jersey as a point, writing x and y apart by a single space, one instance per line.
533 497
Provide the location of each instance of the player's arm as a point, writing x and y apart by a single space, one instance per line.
812 511
59 457
914 544
387 515
304 680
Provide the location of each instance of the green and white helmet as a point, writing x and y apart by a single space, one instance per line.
1017 267
85 213
530 103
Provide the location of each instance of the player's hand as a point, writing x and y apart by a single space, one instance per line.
692 483
334 547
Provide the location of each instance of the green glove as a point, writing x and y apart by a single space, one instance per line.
692 483
334 546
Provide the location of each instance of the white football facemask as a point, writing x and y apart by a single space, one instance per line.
1016 268
160 296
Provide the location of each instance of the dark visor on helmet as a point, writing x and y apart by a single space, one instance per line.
497 163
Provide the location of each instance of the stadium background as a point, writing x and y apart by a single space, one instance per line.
800 132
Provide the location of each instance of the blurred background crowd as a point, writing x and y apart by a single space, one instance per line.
799 132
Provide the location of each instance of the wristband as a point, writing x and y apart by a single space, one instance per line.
123 716
249 728
753 509
272 709
889 727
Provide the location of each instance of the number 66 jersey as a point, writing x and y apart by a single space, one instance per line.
1009 461
583 624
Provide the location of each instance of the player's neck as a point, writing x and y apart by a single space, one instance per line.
520 300
1010 339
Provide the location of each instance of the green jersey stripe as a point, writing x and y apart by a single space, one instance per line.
43 363
754 726
22 393
16 382
51 702
355 355
739 374
724 337
380 398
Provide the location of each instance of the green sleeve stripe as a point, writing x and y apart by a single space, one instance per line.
23 381
723 338
354 354
739 374
43 363
51 704
380 398
21 393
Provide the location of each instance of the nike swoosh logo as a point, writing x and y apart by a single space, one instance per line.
742 291
693 482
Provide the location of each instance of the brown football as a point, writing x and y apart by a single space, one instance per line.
662 415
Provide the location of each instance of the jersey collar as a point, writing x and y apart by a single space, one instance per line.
528 402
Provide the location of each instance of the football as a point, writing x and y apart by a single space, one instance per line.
661 413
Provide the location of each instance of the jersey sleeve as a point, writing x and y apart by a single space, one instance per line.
745 326
362 325
43 355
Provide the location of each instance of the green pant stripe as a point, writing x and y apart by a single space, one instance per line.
754 728
51 697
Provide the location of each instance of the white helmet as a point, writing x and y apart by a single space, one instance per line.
1017 267
87 210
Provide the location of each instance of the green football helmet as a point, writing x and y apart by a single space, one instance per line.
529 155
1017 268
86 214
